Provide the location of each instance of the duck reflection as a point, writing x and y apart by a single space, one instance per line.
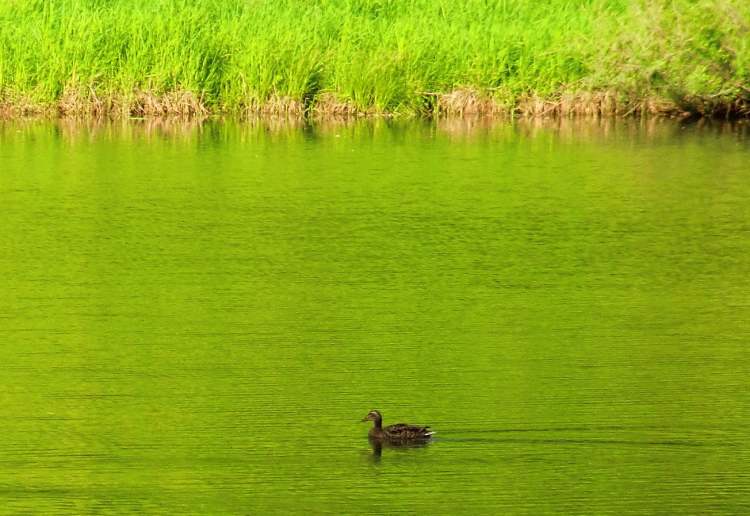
378 445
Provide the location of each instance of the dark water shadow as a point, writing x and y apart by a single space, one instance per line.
608 428
378 446
587 442
485 436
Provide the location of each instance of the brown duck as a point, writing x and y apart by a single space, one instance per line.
398 433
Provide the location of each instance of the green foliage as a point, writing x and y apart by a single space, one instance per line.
373 54
696 53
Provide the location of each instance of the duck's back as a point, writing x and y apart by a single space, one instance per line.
404 432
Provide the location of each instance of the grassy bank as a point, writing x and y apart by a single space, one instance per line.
144 57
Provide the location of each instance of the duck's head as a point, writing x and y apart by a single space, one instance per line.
373 415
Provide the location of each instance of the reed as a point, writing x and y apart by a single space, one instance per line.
401 57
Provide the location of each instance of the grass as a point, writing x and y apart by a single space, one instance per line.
403 57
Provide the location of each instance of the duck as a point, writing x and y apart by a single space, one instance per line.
400 433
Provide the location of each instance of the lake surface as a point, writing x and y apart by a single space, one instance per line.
194 318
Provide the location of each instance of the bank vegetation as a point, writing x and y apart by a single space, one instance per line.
360 57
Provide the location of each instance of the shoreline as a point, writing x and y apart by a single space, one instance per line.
455 104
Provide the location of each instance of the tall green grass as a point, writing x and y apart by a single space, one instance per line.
397 56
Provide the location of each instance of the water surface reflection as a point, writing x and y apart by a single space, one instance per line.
192 315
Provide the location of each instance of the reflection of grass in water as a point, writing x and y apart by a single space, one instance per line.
171 56
341 130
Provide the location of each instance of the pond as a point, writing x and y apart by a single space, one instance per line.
195 317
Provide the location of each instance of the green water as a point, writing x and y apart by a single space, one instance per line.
193 319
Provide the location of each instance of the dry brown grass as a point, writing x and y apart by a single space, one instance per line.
19 106
78 103
180 103
467 102
596 104
274 106
328 106
460 103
